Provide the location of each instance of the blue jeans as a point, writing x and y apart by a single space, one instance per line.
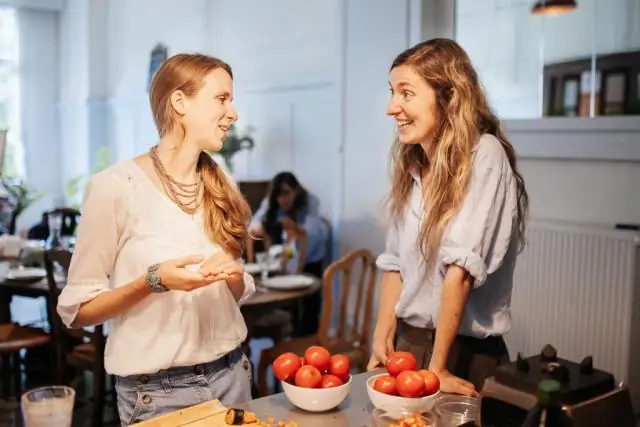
141 397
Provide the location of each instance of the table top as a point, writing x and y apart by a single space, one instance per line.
354 411
264 295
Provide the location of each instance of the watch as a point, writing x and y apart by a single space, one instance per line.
153 279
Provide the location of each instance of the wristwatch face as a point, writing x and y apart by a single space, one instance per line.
153 279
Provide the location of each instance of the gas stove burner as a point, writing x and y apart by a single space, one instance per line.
589 394
580 381
557 371
548 353
586 366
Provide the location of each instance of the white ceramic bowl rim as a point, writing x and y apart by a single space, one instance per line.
392 397
320 388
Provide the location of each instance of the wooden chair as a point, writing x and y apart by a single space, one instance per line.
13 339
351 334
76 348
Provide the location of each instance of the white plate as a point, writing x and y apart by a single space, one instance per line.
28 273
288 282
255 268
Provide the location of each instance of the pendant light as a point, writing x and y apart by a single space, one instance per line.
553 7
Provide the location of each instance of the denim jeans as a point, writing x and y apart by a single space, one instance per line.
141 397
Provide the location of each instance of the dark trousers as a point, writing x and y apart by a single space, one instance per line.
472 359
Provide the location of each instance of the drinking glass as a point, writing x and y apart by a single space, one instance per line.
454 410
263 261
55 228
48 406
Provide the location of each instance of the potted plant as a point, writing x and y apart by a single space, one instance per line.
74 186
20 196
234 144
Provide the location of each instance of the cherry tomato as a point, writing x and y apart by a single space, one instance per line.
340 366
385 384
319 357
410 384
329 381
308 376
286 366
400 361
431 382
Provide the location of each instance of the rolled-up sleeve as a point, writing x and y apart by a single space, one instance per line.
389 260
99 230
249 288
479 237
258 217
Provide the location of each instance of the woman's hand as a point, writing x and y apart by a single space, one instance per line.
382 347
175 276
449 383
221 266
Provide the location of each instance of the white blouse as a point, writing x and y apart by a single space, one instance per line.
127 224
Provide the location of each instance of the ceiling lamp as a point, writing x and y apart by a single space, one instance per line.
553 7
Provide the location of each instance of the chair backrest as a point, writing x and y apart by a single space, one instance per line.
354 317
63 258
328 257
70 219
254 192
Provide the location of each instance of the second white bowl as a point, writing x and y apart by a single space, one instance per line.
316 399
395 405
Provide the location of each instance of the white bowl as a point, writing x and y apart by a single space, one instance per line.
316 399
396 405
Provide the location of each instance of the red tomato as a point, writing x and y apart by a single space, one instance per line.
431 382
286 366
329 381
410 384
400 361
308 376
318 357
385 384
340 366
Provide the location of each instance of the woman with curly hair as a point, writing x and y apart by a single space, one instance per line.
457 211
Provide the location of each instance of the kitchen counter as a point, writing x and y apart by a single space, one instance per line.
354 411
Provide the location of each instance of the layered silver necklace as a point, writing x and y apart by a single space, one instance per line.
186 196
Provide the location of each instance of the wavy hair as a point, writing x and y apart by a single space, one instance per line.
462 115
226 211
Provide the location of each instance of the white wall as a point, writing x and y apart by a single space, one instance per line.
313 84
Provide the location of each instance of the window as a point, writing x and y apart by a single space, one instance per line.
10 94
535 66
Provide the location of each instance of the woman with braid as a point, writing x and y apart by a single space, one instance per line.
157 254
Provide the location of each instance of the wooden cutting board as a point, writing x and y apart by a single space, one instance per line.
208 414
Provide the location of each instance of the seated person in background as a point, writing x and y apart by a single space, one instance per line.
290 215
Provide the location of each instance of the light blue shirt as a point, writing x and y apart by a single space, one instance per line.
317 231
482 238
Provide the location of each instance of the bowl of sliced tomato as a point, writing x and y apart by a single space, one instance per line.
317 381
403 388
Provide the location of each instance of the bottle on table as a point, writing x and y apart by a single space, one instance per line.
548 411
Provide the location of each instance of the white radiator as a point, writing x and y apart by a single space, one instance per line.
578 289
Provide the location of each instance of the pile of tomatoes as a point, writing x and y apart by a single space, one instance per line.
316 369
403 378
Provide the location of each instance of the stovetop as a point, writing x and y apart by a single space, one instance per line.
580 381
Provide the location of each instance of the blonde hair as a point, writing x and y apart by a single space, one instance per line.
462 115
226 212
